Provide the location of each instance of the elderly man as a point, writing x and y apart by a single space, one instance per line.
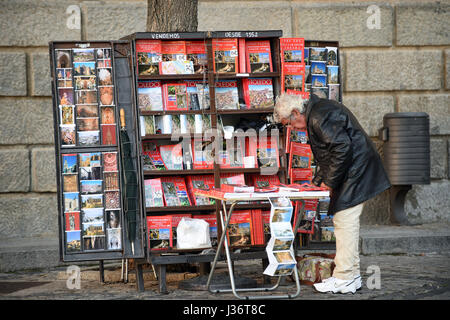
348 165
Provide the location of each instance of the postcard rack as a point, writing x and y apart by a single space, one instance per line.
88 128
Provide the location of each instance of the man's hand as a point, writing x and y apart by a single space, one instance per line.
323 185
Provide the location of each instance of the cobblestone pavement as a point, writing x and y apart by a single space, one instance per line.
420 276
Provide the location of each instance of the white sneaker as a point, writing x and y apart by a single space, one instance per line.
358 282
335 285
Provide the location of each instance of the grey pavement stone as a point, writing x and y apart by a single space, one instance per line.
40 72
393 70
13 74
428 203
43 177
245 15
27 216
346 23
36 22
423 24
437 106
26 121
14 170
113 19
369 110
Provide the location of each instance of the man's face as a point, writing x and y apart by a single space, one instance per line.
297 121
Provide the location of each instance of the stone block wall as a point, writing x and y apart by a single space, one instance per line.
401 66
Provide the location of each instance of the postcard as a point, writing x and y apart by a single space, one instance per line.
86 96
104 63
111 181
282 244
91 186
103 53
67 84
319 80
284 257
104 77
332 56
86 83
114 239
73 241
82 55
87 111
282 214
112 219
71 201
67 114
90 159
87 124
280 202
88 173
94 242
306 51
91 201
112 200
308 74
318 67
88 138
69 163
318 54
93 216
64 74
333 92
333 74
285 269
63 59
65 96
84 69
321 92
108 134
110 161
70 182
108 116
282 229
106 96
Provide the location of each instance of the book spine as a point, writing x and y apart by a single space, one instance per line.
242 55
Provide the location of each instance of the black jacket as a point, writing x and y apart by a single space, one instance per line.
346 157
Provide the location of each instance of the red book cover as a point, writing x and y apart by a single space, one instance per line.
240 229
176 218
72 221
295 136
202 182
173 50
175 96
232 178
175 191
307 223
237 188
151 158
159 232
258 227
305 95
258 93
148 54
259 57
293 77
153 193
299 156
268 153
242 55
202 154
196 52
300 176
263 181
265 215
172 155
292 50
225 55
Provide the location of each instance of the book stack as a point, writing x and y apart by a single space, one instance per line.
293 66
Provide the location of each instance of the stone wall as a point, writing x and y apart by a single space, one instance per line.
402 66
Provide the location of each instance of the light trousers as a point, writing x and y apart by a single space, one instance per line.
346 231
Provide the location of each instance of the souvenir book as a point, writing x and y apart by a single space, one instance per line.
196 53
202 153
147 125
172 156
200 182
159 232
293 77
150 95
267 152
192 94
301 176
258 227
163 124
264 181
212 221
292 50
203 96
232 154
225 53
175 96
227 96
175 191
240 229
242 55
173 50
258 93
258 56
151 157
148 56
299 156
153 193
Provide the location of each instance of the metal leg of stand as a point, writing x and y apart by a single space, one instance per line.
230 267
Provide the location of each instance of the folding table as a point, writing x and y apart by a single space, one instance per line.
234 198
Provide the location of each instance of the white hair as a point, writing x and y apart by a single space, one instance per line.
286 103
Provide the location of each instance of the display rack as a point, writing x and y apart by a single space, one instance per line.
123 66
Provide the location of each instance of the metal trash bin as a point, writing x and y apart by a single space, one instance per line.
406 148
